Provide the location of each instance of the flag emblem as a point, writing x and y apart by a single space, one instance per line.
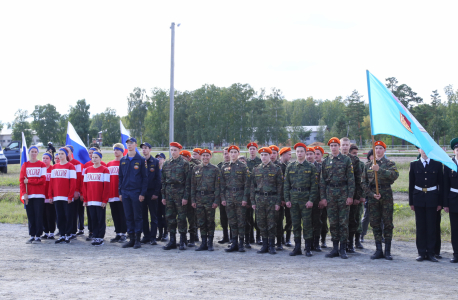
405 122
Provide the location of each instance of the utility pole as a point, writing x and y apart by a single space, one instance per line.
172 88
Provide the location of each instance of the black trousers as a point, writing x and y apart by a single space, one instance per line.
454 230
79 221
74 215
281 215
119 218
49 218
437 248
99 224
34 212
89 219
223 217
151 206
425 220
64 217
289 221
161 221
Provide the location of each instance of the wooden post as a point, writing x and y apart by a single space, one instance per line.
375 162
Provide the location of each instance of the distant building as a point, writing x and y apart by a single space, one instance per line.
312 138
6 136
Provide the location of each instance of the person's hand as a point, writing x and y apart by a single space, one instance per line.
253 206
85 203
439 208
377 196
375 167
81 198
412 207
120 198
362 200
26 180
277 207
141 198
355 202
322 204
223 203
163 201
70 201
283 203
446 209
309 204
154 197
76 195
244 203
194 205
288 204
103 205
184 202
26 199
214 205
51 201
349 201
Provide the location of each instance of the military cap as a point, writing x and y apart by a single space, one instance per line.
265 150
300 145
233 147
197 150
205 151
175 144
454 143
185 153
310 149
160 155
252 144
134 140
333 140
380 143
284 150
319 148
274 148
146 144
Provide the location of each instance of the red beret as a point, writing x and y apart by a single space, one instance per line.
265 150
380 143
284 150
197 150
300 145
205 151
175 144
319 148
252 144
310 149
184 152
233 147
334 140
274 148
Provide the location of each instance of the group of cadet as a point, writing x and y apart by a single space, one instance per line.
254 193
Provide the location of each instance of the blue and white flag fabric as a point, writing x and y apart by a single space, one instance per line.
389 116
24 159
80 152
124 136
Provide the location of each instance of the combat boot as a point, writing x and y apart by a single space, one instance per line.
335 250
323 241
210 243
358 244
288 239
165 236
225 238
192 239
196 236
343 252
203 245
182 241
160 234
378 252
279 245
241 247
297 247
137 244
131 241
247 241
308 246
264 248
272 246
252 235
144 240
258 238
388 250
234 246
172 244
316 243
350 248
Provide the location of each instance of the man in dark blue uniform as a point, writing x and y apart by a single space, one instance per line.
133 184
451 199
151 197
161 221
426 189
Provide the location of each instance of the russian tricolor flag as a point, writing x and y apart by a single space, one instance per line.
73 139
24 159
124 136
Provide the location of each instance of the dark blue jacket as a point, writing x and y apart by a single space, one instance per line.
133 175
154 176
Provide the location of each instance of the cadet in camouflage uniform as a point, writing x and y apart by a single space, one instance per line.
337 188
235 182
300 193
353 222
205 197
285 157
316 210
175 195
266 185
380 206
359 213
222 209
281 213
251 224
319 152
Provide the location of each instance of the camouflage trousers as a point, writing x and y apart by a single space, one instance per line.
359 218
382 211
192 218
354 218
302 219
317 221
324 221
266 215
338 212
174 209
236 214
205 214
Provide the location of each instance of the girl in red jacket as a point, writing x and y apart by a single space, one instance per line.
32 184
61 191
49 212
96 188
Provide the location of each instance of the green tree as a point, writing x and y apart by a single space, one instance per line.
45 122
108 123
438 125
20 124
137 106
79 117
157 118
355 112
61 129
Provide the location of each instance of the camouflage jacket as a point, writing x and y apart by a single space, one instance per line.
206 179
318 177
175 172
192 163
278 164
386 175
253 163
337 171
220 164
266 179
235 181
357 171
301 176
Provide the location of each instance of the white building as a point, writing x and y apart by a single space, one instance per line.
6 136
314 132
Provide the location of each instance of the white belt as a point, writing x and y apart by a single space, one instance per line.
427 189
453 190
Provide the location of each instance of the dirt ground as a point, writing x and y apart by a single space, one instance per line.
79 271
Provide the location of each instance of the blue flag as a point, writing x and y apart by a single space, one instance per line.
390 116
80 152
24 159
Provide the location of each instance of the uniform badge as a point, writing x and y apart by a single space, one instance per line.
151 170
136 167
197 172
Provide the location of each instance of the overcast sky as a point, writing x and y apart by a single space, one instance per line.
60 51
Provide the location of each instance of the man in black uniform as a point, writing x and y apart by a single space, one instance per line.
451 199
222 208
426 188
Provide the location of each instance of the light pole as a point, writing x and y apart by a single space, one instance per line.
172 88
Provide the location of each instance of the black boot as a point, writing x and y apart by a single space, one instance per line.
454 260
378 252
137 244
316 243
258 238
252 235
272 246
203 245
165 237
335 249
145 240
308 246
241 247
297 247
358 244
172 244
234 246
350 248
264 248
160 234
279 245
131 241
323 241
388 250
225 238
288 239
192 239
182 241
196 237
210 243
247 241
343 250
